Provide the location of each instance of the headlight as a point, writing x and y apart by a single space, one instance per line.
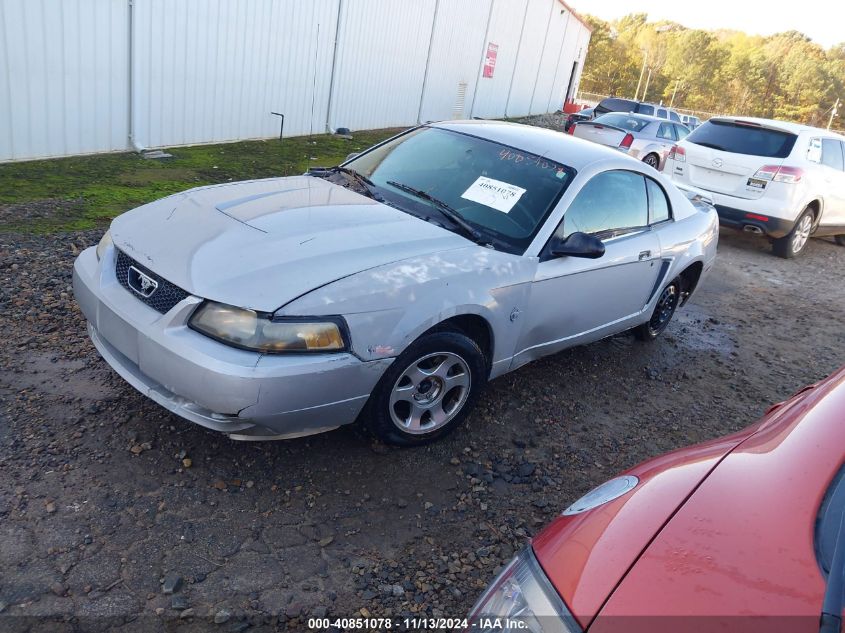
104 244
259 331
605 493
522 599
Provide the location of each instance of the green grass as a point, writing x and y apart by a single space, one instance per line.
93 189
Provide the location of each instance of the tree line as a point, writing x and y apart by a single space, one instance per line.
784 76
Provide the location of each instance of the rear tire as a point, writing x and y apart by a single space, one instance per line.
652 160
664 310
428 391
793 243
840 239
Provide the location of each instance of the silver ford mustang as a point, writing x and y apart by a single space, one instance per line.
388 290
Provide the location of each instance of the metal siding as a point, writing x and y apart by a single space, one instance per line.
63 77
531 45
457 46
214 71
382 51
575 44
549 66
505 29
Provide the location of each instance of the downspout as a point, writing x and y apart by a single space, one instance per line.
133 141
334 68
516 59
428 60
540 64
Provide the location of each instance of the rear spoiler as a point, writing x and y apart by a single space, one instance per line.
595 123
695 195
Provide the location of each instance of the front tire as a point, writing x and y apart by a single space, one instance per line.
664 310
428 391
793 243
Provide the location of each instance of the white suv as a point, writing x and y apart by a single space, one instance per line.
782 180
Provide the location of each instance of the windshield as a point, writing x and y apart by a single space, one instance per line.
504 193
743 138
625 121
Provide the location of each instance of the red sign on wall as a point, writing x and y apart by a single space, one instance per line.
490 59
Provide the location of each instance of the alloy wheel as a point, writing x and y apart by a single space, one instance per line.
664 309
430 392
802 233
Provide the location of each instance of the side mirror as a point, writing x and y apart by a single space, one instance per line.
577 245
351 156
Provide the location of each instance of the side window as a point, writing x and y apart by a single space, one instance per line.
681 131
658 203
665 132
832 153
662 113
611 201
645 109
674 116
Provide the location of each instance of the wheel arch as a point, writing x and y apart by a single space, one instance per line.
472 325
817 206
689 278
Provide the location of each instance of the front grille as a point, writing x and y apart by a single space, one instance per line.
162 299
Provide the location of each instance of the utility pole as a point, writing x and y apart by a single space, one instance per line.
647 80
642 72
833 113
674 92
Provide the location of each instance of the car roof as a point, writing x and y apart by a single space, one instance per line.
557 146
785 126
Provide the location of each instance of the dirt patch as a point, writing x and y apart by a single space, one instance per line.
22 214
97 507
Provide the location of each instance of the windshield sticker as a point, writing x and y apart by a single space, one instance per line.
493 193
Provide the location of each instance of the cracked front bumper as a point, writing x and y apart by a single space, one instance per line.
245 394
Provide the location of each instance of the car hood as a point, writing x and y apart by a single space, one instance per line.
586 555
260 244
743 544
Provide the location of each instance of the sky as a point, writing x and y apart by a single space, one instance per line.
821 20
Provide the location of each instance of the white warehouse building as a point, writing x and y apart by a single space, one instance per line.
87 76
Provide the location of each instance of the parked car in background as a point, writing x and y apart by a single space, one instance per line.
583 115
782 180
618 104
644 137
389 289
690 121
740 534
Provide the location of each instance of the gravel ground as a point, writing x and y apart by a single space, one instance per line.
116 514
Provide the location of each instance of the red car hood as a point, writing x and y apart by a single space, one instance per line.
586 555
722 528
743 544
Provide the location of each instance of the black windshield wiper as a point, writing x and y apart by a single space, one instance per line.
452 215
831 618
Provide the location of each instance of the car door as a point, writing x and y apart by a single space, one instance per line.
833 168
575 300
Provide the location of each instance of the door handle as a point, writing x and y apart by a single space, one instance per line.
645 255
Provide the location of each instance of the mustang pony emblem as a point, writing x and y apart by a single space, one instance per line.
143 284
